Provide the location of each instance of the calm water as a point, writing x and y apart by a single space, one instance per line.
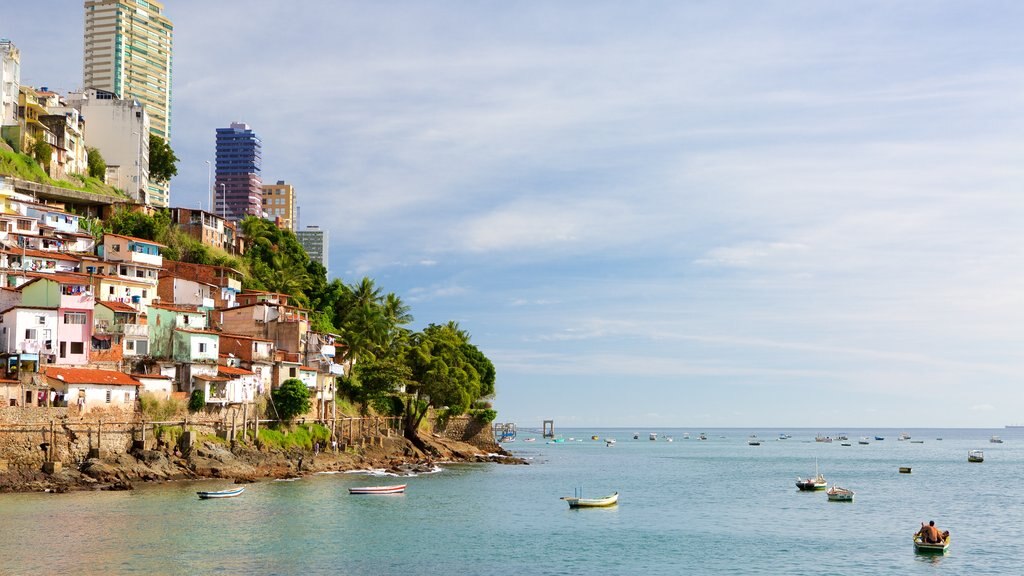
695 507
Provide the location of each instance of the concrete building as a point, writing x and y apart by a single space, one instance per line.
119 129
10 80
128 53
237 183
279 204
315 242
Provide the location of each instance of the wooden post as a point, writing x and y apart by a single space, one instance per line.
245 420
52 437
99 446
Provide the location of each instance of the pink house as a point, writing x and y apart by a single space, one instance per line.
72 295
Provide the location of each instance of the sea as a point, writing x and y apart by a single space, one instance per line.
686 506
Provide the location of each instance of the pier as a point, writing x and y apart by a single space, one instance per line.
549 429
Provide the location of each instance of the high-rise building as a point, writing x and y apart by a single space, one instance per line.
237 183
315 242
119 129
279 204
10 80
128 53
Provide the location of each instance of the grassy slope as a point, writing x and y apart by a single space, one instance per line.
24 167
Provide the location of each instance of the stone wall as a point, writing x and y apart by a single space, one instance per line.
469 430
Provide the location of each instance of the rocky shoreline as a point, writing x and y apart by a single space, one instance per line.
245 464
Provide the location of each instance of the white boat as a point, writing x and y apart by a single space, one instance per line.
995 440
221 493
904 436
864 441
394 489
668 438
609 442
975 456
577 502
842 436
822 438
703 436
753 440
686 435
530 440
652 436
839 494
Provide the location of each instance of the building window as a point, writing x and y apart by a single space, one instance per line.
74 317
127 397
30 334
130 345
142 347
108 396
41 319
202 347
78 347
291 372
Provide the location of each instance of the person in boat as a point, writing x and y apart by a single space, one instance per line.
930 534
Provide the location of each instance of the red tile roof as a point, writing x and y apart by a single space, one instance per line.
232 371
118 306
90 376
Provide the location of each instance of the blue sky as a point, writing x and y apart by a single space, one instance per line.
678 213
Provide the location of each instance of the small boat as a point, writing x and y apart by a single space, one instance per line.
846 444
903 436
652 436
821 438
879 438
975 456
753 440
595 437
686 435
221 493
530 440
839 494
904 469
995 440
917 441
636 435
930 548
394 489
842 436
609 442
863 441
784 436
703 436
817 482
577 502
668 438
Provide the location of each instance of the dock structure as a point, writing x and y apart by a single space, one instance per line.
549 429
504 432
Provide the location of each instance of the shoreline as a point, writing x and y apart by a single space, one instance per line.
246 464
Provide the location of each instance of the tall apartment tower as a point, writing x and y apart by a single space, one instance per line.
128 53
237 184
10 80
315 242
279 204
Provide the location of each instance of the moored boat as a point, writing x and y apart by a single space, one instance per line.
904 469
995 440
393 489
652 436
703 436
636 435
864 441
753 440
904 436
208 495
822 438
839 494
975 456
577 502
817 482
879 438
609 442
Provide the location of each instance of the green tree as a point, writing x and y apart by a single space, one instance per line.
97 165
140 225
163 164
43 153
291 399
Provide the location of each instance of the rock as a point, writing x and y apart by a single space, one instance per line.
120 485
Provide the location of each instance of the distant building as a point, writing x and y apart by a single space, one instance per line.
128 53
279 204
119 129
10 80
315 242
237 183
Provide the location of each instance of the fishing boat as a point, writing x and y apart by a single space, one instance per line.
846 444
975 456
221 493
864 441
753 440
652 436
686 435
668 438
903 436
904 469
609 442
839 494
578 502
995 440
817 482
917 441
703 436
879 438
822 438
393 489
931 548
530 440
842 436
636 435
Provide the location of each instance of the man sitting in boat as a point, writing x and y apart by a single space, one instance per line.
930 534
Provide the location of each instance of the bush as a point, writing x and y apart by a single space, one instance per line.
486 415
387 405
159 410
291 399
197 401
168 433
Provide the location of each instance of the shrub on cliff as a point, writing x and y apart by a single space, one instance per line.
197 401
157 410
291 399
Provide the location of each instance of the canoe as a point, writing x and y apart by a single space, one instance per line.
395 489
221 493
921 546
575 502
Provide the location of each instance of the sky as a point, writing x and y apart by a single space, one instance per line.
676 213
